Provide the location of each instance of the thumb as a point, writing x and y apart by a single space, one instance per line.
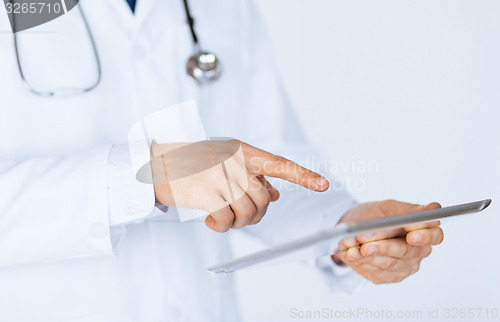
393 208
430 206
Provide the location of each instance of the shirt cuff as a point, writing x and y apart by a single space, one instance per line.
130 201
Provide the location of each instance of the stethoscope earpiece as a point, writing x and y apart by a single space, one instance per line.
204 67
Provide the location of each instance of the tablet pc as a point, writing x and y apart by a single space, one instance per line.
348 229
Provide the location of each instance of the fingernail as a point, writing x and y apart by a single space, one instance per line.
354 253
417 238
349 241
322 182
372 249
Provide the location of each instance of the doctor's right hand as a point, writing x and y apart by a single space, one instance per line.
225 178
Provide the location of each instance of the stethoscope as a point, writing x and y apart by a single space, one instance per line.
204 67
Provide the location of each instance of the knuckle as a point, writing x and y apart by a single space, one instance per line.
267 199
391 263
385 206
257 219
226 220
303 176
398 278
278 160
280 164
441 236
255 222
249 212
406 252
363 259
264 200
367 260
367 246
427 251
394 277
382 248
220 228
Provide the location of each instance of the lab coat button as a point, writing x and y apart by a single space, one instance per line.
98 230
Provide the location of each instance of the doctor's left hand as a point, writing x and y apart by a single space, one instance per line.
393 255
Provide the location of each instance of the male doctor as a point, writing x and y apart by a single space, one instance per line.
82 240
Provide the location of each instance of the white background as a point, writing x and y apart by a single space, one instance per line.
413 86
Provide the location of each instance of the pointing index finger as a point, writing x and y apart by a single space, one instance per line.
265 163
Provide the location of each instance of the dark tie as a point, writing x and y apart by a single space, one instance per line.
131 3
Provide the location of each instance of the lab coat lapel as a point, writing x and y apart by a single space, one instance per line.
143 10
122 9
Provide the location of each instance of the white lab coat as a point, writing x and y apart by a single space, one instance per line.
80 239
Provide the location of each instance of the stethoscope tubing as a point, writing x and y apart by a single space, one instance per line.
194 67
62 92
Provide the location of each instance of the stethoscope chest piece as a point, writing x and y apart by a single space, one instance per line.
204 67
